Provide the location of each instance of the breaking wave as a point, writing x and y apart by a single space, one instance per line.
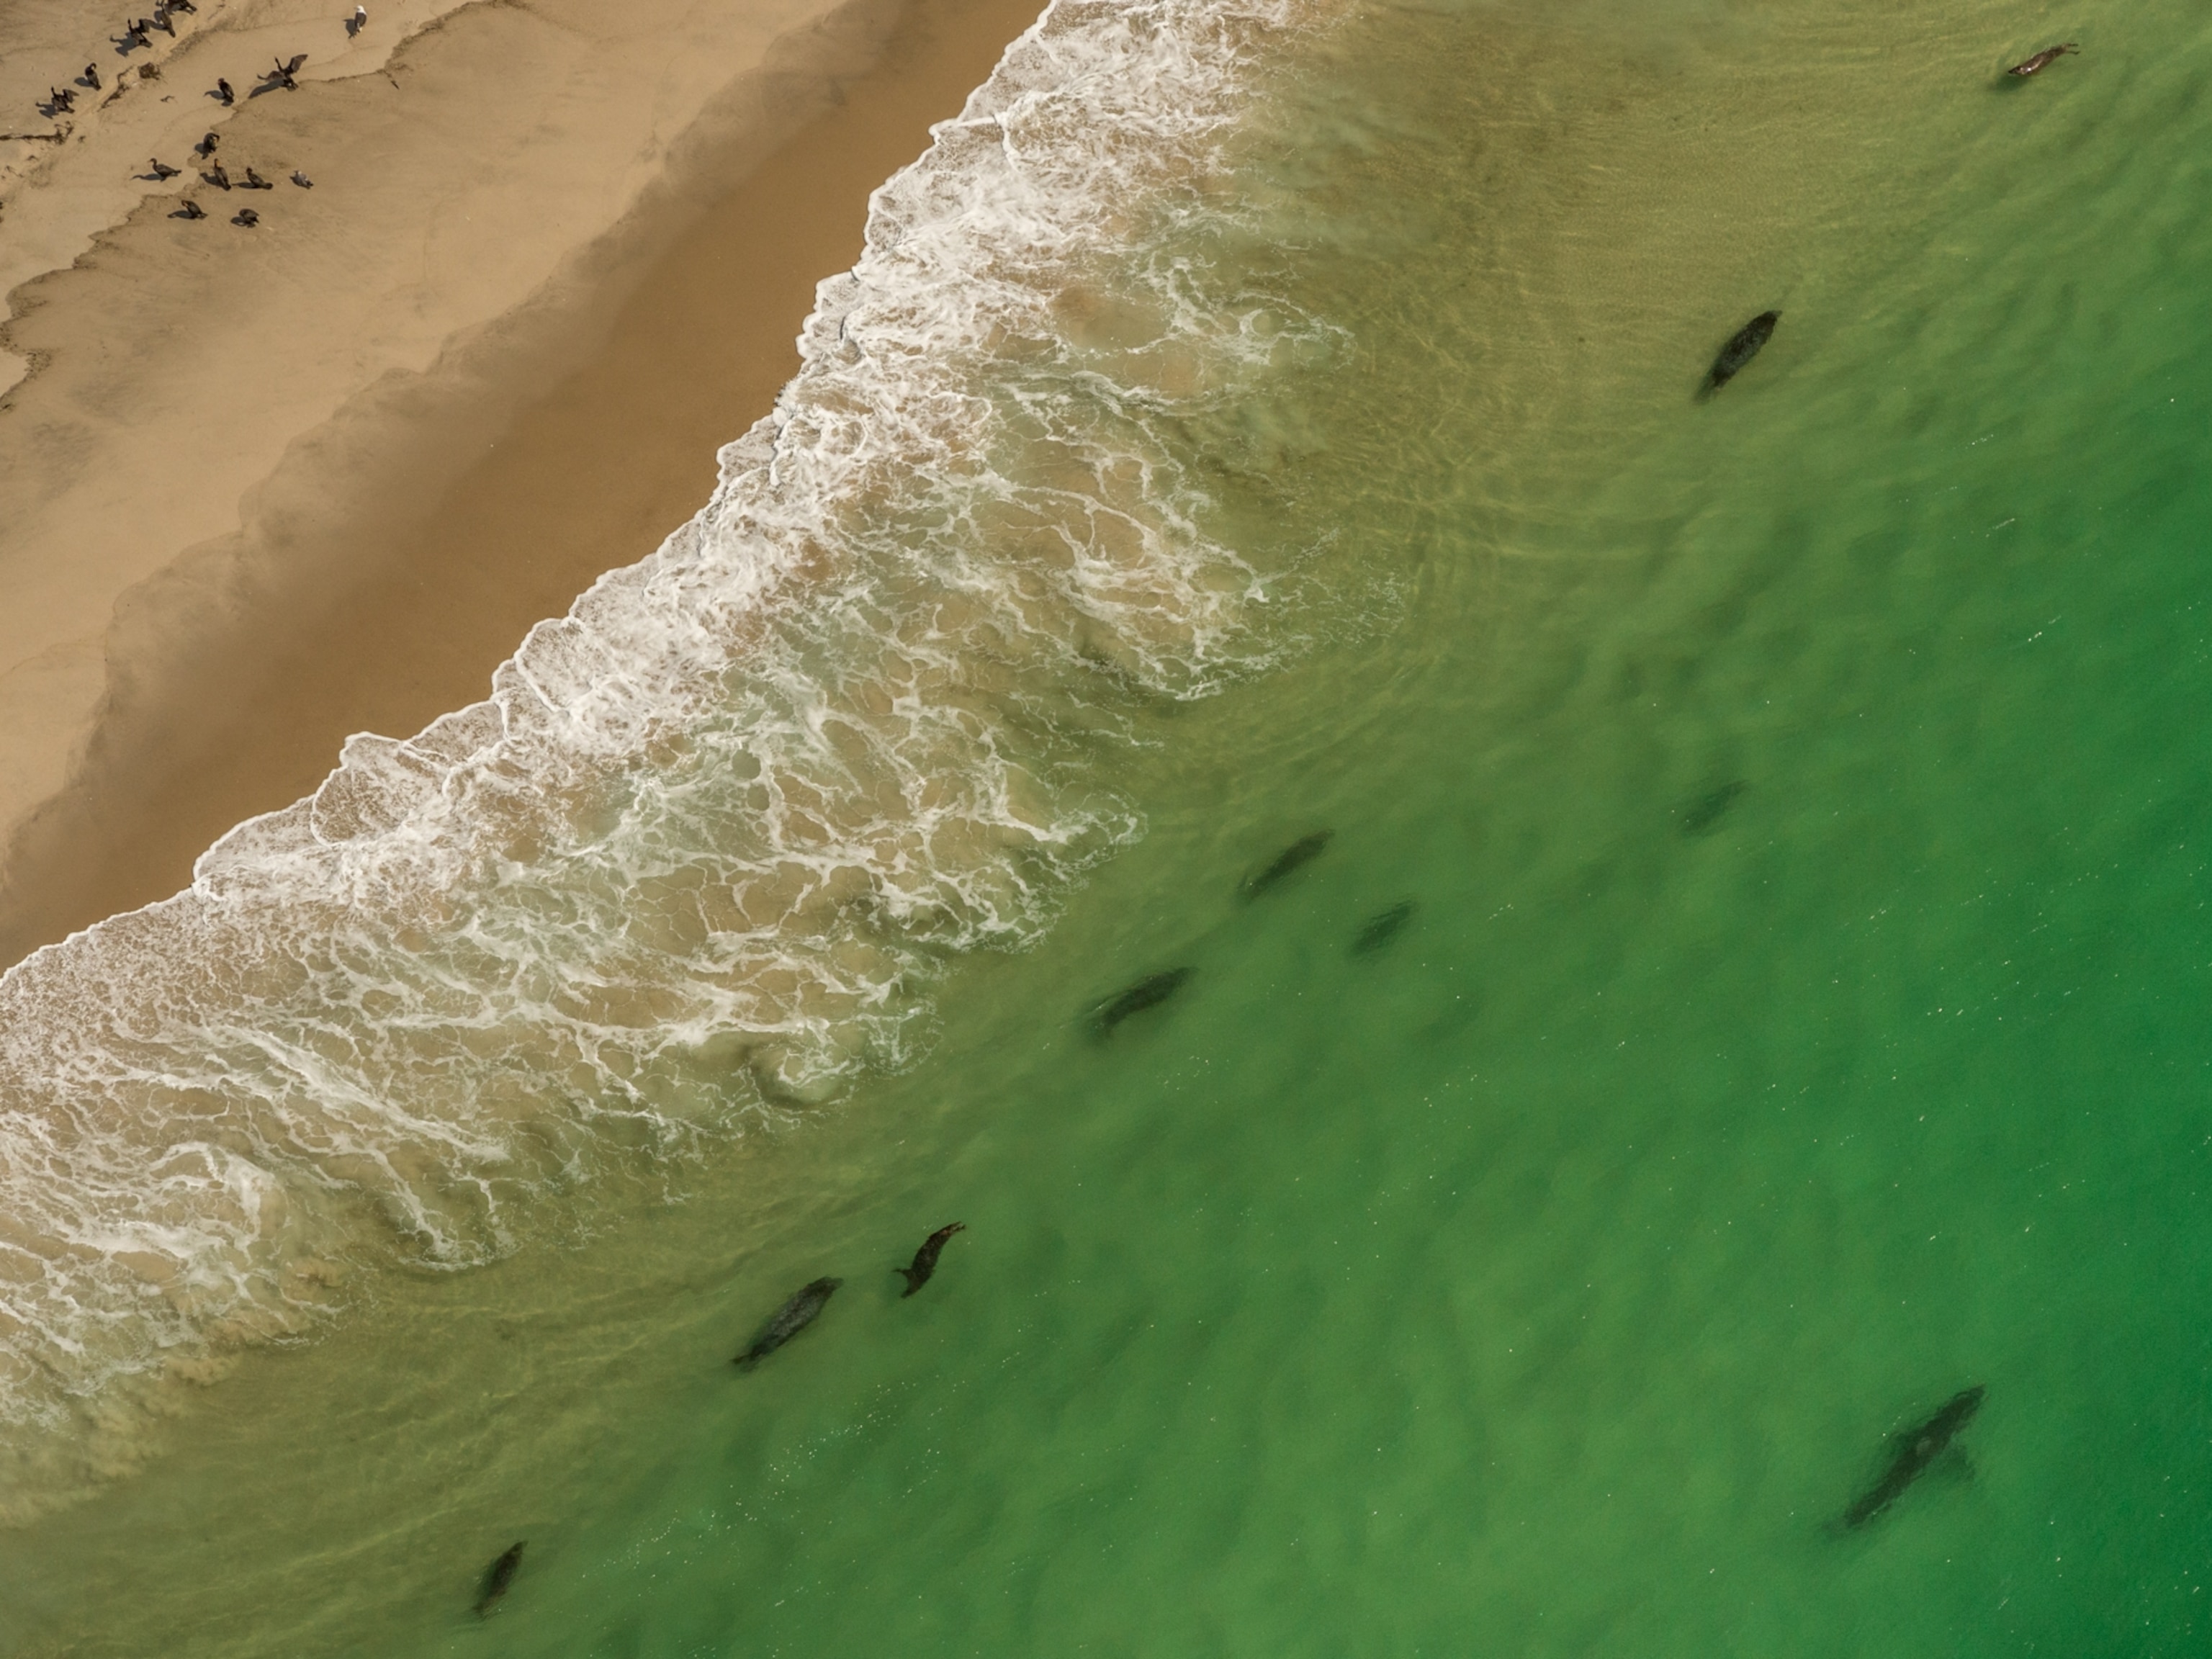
703 850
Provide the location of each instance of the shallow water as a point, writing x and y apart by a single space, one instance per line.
1800 798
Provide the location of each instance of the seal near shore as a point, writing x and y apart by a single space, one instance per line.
1743 345
1914 1452
793 1317
1147 992
2042 60
1709 808
924 1258
1288 862
1381 928
497 1576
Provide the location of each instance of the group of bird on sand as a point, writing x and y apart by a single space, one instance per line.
283 73
800 1310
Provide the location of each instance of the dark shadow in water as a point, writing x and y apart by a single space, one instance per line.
1701 815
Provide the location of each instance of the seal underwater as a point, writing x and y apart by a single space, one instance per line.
1709 808
1743 345
924 1258
1288 862
497 1576
1381 928
1147 992
1914 1452
793 1317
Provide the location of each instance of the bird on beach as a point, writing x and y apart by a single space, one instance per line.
357 22
222 91
283 74
190 210
163 170
60 99
215 176
162 22
91 76
206 145
302 179
245 217
255 181
138 32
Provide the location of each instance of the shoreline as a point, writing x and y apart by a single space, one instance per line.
404 543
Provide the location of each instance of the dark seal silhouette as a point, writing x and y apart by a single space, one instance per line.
1709 808
1288 862
1743 345
793 1317
497 1576
2042 60
1147 992
924 1258
1379 930
1911 1454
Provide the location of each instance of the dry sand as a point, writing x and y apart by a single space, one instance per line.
266 488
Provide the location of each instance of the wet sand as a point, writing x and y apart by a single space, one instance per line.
404 541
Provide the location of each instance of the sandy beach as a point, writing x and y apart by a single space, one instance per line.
261 488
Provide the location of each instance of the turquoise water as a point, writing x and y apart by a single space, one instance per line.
1802 796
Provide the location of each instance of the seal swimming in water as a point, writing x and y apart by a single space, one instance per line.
1288 862
1709 808
2042 60
1381 929
497 1576
1147 992
1913 1454
924 1258
1743 345
793 1317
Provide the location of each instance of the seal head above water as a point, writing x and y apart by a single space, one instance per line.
2042 60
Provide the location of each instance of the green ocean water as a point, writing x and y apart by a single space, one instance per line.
1802 795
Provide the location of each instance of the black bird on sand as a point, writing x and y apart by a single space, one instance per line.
91 76
215 176
190 210
255 181
245 217
60 99
163 170
162 21
222 91
497 1576
924 1258
302 179
207 143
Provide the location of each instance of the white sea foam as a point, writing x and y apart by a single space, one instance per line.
705 846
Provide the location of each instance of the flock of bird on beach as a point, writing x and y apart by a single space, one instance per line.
138 33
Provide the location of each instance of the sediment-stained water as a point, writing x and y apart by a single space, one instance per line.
1749 992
